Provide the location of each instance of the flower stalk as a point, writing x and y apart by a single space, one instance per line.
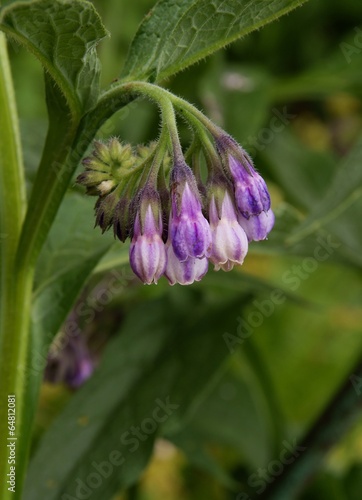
15 282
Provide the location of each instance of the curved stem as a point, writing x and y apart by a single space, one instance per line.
169 118
206 143
161 96
158 158
157 93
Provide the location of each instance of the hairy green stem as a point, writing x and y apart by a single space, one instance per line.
15 282
158 158
205 139
164 98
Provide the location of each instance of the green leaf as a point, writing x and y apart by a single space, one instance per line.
235 399
348 229
193 446
161 353
72 249
345 190
288 219
63 35
330 194
304 174
116 257
177 33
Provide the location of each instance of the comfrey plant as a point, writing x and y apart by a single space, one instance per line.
183 209
176 230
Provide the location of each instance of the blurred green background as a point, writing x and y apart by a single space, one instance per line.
291 95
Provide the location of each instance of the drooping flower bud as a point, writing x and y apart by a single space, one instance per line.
257 227
105 166
147 251
105 209
185 272
229 241
106 174
121 218
69 361
97 183
251 193
189 231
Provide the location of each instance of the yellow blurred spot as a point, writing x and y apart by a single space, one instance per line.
342 104
51 484
163 478
313 132
83 421
346 317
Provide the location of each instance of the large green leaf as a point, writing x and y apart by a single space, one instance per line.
72 250
288 219
348 228
168 349
329 194
235 400
178 33
63 35
304 174
344 190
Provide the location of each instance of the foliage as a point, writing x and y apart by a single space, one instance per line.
242 387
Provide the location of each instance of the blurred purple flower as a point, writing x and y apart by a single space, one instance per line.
71 364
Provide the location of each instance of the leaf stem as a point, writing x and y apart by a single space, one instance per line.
15 282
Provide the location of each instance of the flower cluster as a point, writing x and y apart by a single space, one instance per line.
178 223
